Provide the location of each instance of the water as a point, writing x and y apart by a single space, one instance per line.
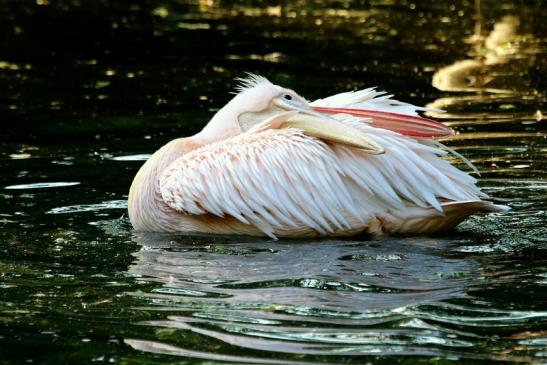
90 90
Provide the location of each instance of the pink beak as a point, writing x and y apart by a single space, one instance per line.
408 125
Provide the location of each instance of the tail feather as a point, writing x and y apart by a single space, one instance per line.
429 220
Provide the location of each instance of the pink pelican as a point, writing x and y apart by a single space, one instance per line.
270 163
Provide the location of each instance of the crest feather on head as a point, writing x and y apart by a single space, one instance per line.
249 82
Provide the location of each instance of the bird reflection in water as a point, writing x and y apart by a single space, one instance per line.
498 63
256 294
495 59
498 113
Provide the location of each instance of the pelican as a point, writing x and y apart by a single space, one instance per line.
270 163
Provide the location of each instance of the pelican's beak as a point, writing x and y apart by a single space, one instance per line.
333 131
322 126
292 105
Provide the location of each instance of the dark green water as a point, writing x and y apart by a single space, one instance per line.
90 89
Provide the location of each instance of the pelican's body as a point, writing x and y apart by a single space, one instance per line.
269 163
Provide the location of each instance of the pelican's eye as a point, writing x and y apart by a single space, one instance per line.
287 97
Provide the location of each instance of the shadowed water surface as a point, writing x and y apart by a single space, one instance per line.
89 91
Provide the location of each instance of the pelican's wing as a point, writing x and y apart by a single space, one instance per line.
270 179
281 179
370 99
382 111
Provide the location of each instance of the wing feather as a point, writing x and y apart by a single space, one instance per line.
370 99
443 179
279 178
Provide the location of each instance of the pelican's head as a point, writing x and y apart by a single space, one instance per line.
259 103
256 101
260 100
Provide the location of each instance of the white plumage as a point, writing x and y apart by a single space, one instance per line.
276 180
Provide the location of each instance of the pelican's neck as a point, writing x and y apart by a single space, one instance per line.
144 201
224 123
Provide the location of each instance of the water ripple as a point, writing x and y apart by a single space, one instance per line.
43 185
78 208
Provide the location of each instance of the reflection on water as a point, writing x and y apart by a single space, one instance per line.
90 90
257 295
497 63
498 113
411 296
268 268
